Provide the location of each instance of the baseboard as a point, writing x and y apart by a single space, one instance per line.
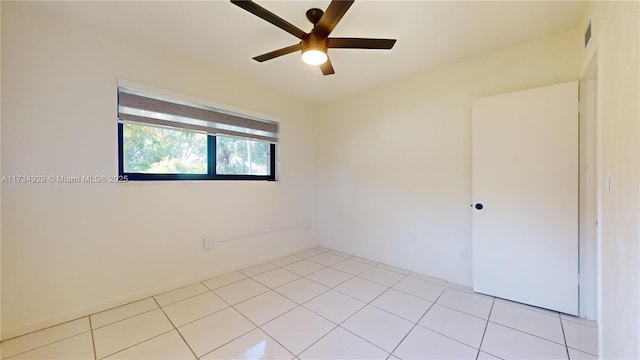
123 300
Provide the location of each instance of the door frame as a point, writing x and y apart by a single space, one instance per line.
591 184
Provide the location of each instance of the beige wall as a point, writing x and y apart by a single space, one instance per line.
0 173
70 249
616 46
396 160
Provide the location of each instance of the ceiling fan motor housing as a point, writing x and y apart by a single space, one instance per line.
314 15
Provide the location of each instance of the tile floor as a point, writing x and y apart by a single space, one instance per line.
317 304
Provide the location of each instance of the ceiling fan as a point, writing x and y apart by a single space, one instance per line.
314 44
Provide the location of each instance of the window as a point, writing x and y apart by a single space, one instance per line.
166 139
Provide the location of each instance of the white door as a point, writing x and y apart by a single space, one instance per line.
525 180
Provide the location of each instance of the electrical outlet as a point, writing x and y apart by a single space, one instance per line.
412 237
207 243
463 254
306 224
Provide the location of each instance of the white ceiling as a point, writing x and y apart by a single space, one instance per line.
430 34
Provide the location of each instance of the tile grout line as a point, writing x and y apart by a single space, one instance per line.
564 336
286 312
486 325
184 298
524 332
44 345
447 336
370 304
136 344
527 307
123 319
414 325
466 313
329 288
243 334
93 340
48 327
342 322
175 328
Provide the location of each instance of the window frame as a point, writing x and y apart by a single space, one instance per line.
211 165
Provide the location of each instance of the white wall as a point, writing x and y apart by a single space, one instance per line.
0 173
71 249
616 48
396 160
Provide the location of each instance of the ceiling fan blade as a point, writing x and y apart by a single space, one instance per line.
327 68
360 43
267 15
335 11
274 54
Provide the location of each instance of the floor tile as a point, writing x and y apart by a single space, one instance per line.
351 266
394 269
361 289
428 278
180 293
298 329
274 278
215 330
459 287
475 305
423 343
334 306
365 261
194 308
577 320
168 346
240 291
454 324
265 307
485 356
75 347
341 344
404 305
43 337
258 269
223 280
379 327
301 290
382 276
255 345
122 312
528 307
123 334
309 253
580 337
340 253
579 355
329 277
420 288
326 259
535 323
304 267
512 344
284 261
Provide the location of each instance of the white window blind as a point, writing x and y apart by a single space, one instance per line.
144 108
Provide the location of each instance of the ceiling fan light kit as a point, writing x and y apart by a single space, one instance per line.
314 49
314 44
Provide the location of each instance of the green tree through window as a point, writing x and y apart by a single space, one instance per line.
150 149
